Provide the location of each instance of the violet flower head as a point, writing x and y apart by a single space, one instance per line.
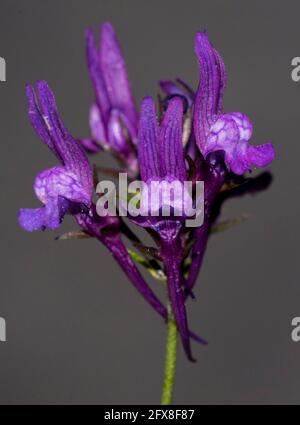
64 188
215 130
113 118
193 142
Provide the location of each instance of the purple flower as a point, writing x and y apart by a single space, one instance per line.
68 188
194 141
215 130
64 188
113 118
161 158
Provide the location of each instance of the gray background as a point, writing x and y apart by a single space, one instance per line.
77 331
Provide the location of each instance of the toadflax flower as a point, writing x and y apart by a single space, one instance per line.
161 158
62 189
113 118
215 130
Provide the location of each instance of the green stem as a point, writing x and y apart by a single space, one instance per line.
170 364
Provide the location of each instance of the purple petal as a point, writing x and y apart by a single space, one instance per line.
48 217
224 135
243 160
93 61
115 75
208 103
97 126
261 155
186 87
222 77
116 133
171 88
170 142
57 189
69 150
243 123
90 145
37 120
148 141
59 182
32 219
231 133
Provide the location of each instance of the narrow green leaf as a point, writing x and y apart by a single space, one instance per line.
227 224
156 272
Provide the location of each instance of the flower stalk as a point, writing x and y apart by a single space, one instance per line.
170 362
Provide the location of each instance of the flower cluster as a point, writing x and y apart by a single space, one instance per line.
191 138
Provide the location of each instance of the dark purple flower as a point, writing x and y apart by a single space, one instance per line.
215 130
113 118
64 188
161 158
